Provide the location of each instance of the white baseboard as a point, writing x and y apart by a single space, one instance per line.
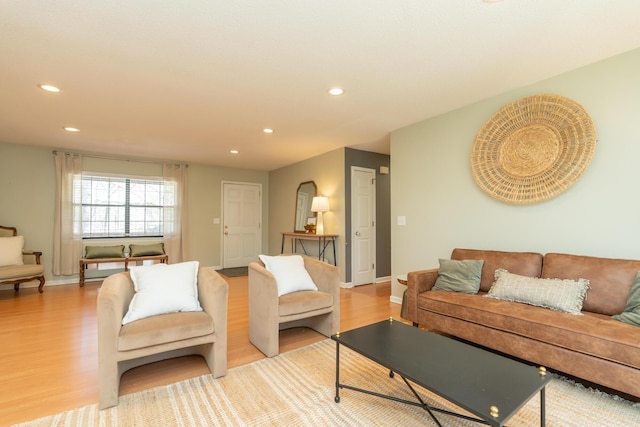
349 285
395 300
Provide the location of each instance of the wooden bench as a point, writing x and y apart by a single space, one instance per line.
126 260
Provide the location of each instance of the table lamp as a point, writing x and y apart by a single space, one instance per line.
320 204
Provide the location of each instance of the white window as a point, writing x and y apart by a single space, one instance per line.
117 206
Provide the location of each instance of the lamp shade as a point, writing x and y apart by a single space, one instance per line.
320 204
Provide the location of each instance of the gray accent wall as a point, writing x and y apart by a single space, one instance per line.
366 159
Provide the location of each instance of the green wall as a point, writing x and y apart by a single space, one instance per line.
599 215
327 171
27 186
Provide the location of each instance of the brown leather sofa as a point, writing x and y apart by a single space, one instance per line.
593 346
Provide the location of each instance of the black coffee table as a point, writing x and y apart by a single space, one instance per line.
487 385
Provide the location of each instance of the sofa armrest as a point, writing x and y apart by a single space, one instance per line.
213 294
114 298
417 283
31 257
325 276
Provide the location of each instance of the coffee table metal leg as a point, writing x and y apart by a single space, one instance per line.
542 408
337 398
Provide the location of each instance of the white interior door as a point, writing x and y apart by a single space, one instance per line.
363 228
242 228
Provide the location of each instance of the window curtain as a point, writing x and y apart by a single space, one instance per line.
67 233
175 212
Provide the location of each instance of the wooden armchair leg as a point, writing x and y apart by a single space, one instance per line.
41 285
16 286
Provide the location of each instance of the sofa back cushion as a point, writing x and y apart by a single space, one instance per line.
610 279
522 263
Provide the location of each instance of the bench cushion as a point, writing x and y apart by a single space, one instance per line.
92 252
146 250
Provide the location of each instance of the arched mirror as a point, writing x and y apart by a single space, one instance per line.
304 196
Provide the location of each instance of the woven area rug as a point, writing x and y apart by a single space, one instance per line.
297 389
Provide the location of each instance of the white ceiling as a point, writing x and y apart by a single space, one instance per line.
191 80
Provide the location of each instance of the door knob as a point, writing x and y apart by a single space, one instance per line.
357 233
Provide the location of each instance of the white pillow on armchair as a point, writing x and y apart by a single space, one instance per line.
163 288
290 274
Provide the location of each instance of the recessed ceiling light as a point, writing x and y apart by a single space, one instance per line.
234 151
71 129
49 88
336 91
267 130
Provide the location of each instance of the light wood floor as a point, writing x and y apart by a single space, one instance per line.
48 345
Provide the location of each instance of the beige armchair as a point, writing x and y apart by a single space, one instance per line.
160 337
268 313
30 271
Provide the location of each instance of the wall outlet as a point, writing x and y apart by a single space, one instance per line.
216 221
402 220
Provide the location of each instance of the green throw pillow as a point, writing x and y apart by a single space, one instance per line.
631 313
93 252
459 275
146 250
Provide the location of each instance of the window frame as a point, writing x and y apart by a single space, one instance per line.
164 207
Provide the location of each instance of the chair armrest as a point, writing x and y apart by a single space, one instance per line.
114 298
213 294
417 283
31 257
325 276
263 293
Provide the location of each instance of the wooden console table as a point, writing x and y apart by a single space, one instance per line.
323 241
126 260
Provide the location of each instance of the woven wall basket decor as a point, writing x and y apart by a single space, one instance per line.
533 149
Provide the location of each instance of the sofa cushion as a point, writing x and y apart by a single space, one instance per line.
163 288
523 263
11 250
609 279
163 329
557 294
631 313
592 334
21 271
303 302
459 275
93 252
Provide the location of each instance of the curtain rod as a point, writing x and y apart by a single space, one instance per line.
103 157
